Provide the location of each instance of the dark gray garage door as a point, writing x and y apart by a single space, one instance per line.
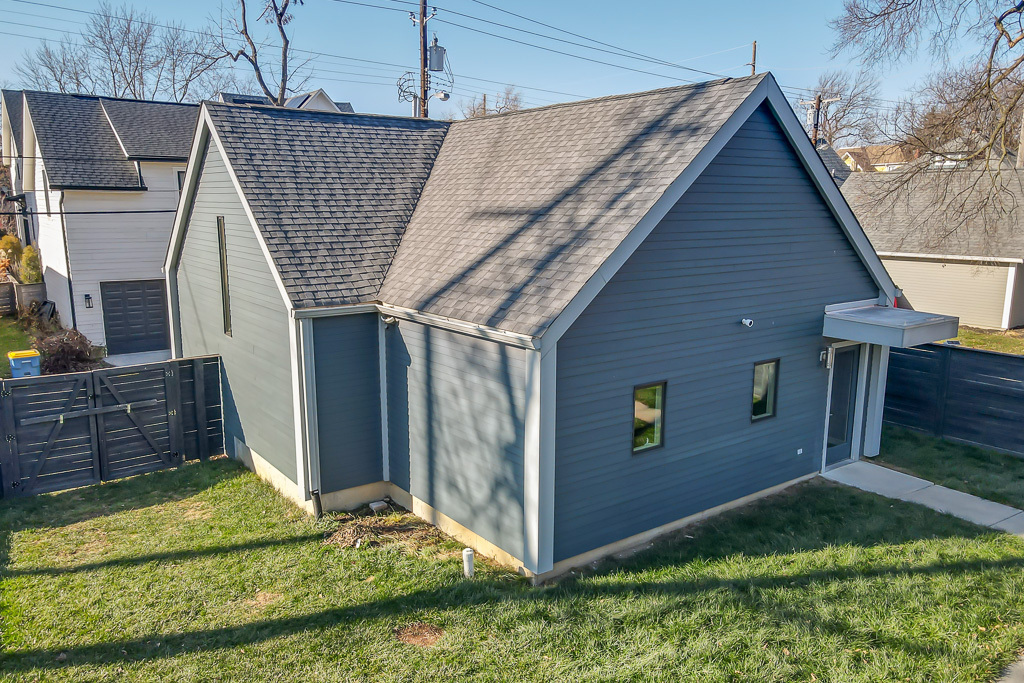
135 316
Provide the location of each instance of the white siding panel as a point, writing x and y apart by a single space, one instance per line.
971 291
130 246
50 237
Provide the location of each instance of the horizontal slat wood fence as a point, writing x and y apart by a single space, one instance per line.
68 430
958 393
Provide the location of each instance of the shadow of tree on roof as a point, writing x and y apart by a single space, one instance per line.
615 178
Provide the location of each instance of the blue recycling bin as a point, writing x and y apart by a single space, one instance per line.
24 363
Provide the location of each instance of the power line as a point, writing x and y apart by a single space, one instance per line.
619 51
639 55
562 52
311 52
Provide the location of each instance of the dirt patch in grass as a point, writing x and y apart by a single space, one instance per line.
194 511
419 634
262 599
88 543
360 530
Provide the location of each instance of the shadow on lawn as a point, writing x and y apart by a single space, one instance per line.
777 526
55 510
752 592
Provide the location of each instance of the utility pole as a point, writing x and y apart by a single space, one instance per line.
816 105
424 74
753 60
485 104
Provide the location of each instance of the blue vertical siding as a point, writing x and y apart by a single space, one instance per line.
456 427
347 400
256 363
751 238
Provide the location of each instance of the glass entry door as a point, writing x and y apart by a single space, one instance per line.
842 406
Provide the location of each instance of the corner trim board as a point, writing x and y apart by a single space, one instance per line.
298 408
539 462
382 362
1011 283
310 425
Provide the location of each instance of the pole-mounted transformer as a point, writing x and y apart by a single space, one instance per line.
435 61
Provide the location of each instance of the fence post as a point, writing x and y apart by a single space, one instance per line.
202 427
172 389
10 470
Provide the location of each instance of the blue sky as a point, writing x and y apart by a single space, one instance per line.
793 42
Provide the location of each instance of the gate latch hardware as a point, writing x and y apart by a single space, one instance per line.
10 437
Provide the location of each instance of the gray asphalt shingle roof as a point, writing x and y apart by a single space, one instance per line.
331 193
78 145
153 130
81 137
13 107
521 209
939 213
499 222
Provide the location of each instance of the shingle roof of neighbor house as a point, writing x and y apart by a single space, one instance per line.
152 130
837 168
331 193
498 221
294 102
13 110
935 212
869 156
81 136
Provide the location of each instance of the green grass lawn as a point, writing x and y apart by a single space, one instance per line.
205 573
984 473
12 338
1010 341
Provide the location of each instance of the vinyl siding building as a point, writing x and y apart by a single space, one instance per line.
100 178
526 327
946 259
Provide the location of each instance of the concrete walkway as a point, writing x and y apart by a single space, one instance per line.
138 358
892 484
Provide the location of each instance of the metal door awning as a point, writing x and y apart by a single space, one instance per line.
896 327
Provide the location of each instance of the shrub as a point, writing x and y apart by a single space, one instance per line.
11 246
31 269
68 351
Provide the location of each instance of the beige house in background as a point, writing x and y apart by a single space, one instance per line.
973 271
876 158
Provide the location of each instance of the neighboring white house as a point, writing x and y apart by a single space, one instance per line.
101 184
101 179
946 259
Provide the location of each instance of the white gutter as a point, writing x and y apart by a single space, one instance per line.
523 341
949 257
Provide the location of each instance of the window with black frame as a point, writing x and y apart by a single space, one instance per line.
766 381
648 416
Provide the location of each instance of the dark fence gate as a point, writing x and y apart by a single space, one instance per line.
62 431
958 393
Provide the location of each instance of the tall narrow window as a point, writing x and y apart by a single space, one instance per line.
648 416
225 299
766 383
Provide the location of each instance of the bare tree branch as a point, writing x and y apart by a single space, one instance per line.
853 119
243 45
123 52
966 117
508 100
